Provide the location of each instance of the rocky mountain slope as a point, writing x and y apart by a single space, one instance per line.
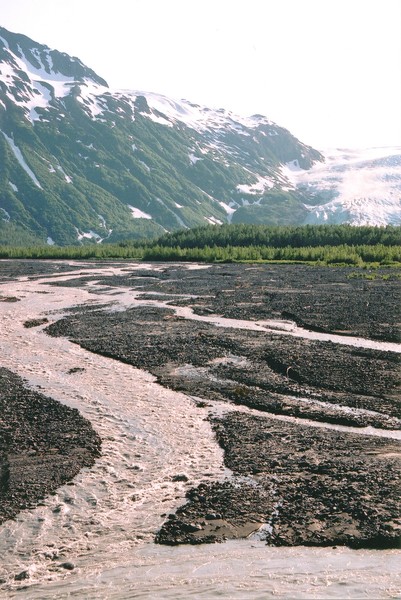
80 162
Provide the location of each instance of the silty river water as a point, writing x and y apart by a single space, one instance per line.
104 524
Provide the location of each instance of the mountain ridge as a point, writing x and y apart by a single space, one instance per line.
84 163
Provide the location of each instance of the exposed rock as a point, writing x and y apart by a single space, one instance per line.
36 322
21 576
69 566
179 477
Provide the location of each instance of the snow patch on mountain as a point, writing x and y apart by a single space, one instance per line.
103 224
59 82
66 177
228 208
30 96
6 216
193 159
145 166
90 96
157 119
200 117
41 85
89 235
138 214
18 155
170 112
102 221
213 220
259 187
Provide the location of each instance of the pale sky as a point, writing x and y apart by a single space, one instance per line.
327 70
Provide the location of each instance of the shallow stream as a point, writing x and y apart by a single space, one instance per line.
104 523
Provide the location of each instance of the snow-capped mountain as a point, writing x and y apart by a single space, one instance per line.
81 162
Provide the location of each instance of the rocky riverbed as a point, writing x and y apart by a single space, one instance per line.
309 486
305 485
43 444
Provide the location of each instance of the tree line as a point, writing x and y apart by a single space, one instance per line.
317 244
281 236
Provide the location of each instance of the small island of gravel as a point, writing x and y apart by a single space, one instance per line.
43 444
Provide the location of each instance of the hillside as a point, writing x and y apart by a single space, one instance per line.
82 163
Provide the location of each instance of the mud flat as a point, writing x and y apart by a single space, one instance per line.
268 389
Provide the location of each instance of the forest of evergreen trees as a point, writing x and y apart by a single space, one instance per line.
282 236
322 244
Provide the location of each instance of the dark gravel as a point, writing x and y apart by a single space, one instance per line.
310 485
362 302
313 487
43 444
270 372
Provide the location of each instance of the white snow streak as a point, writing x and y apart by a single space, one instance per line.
138 214
18 155
66 177
6 216
90 235
193 159
213 220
